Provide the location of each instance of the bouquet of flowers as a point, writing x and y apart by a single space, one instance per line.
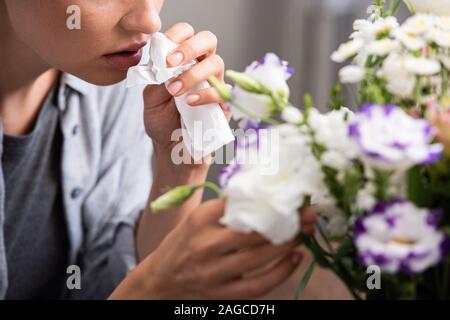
378 176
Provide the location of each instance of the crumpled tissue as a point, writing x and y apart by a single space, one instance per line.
204 128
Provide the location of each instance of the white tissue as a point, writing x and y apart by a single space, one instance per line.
205 128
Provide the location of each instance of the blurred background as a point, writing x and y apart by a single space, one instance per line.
303 32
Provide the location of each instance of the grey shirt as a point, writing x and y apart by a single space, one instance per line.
105 180
35 231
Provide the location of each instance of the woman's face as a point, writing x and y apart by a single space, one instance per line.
103 48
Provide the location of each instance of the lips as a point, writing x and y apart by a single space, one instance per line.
125 59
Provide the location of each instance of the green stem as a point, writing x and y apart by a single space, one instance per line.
445 279
353 97
381 181
254 115
212 186
394 7
324 237
342 272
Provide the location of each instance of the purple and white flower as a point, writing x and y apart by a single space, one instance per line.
265 196
390 139
399 237
273 73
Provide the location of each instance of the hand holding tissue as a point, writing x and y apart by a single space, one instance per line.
204 128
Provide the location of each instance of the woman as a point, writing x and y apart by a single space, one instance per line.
77 170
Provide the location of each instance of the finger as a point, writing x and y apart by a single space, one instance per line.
309 229
205 96
237 264
226 240
211 211
261 284
202 44
213 65
180 32
233 241
155 95
309 215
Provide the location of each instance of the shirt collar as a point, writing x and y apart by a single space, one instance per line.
75 83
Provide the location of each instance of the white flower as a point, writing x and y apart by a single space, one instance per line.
273 73
347 50
384 26
437 7
269 203
382 47
443 23
364 30
400 81
331 131
440 37
419 24
445 60
332 219
351 74
365 199
410 41
422 66
292 115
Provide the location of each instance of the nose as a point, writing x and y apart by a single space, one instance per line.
143 17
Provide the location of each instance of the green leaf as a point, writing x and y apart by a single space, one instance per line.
304 283
415 187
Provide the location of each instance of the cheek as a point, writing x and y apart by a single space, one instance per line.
43 26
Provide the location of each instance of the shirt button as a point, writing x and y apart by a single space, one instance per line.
76 192
75 129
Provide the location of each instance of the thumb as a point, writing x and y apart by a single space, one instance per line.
155 95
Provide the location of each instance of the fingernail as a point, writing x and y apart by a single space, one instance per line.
175 59
193 98
296 257
175 87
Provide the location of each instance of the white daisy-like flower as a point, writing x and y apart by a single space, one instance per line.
422 66
419 24
364 30
440 37
410 41
383 47
351 74
445 60
347 50
443 23
400 81
384 26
